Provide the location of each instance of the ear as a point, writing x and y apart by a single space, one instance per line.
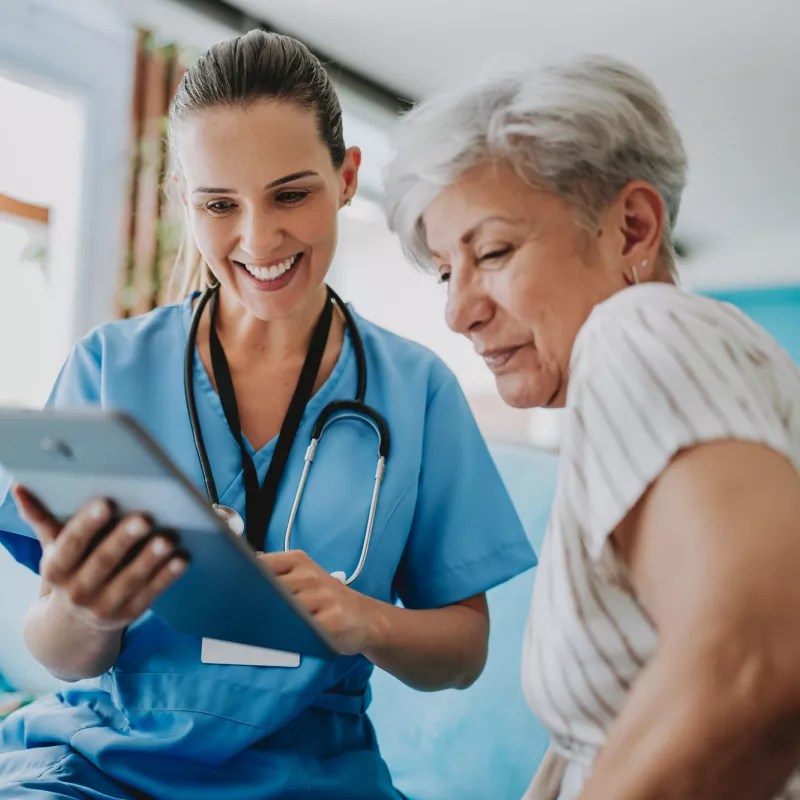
638 216
349 172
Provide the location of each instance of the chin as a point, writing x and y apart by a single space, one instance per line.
519 391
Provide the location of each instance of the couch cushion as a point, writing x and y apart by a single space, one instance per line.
483 742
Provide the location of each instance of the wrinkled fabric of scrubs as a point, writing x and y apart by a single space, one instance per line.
162 724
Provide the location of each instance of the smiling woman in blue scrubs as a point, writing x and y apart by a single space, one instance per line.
149 712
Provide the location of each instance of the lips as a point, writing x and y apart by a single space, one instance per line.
498 358
270 272
261 278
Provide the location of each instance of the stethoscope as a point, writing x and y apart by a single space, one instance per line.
356 409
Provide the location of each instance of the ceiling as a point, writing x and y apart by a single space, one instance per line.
730 70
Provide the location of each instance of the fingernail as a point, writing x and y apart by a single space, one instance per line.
159 547
99 510
136 527
177 565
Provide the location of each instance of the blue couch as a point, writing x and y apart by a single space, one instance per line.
483 742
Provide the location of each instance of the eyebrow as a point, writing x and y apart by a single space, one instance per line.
279 182
469 235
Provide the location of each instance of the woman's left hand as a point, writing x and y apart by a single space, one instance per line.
349 617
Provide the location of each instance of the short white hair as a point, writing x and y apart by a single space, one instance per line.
582 129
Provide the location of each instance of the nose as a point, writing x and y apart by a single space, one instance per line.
469 307
260 235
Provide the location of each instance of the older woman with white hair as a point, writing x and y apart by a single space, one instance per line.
663 648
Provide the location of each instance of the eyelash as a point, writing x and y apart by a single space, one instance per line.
211 206
285 198
495 254
445 277
291 198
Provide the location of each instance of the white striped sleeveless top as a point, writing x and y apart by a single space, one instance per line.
654 370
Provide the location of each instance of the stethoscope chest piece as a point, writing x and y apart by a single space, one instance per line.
231 518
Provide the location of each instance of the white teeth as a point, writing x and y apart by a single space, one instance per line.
273 272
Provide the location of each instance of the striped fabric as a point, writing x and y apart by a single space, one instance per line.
654 370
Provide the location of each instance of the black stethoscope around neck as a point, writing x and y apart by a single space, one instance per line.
260 499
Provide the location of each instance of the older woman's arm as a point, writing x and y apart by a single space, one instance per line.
714 554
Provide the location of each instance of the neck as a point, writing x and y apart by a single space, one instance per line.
287 338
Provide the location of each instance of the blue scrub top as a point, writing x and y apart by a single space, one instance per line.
166 724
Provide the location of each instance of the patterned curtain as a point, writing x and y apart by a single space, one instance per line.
152 222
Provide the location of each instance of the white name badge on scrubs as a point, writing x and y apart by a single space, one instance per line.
215 651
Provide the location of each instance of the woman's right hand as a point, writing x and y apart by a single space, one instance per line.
99 586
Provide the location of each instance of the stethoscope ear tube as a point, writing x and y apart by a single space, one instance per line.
358 347
188 382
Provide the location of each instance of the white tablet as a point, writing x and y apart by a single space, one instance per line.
69 457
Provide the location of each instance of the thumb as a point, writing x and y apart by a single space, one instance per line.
44 524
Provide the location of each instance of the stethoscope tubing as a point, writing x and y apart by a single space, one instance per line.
355 409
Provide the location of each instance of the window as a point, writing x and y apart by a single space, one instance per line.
41 142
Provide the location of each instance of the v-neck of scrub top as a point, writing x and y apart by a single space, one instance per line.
206 389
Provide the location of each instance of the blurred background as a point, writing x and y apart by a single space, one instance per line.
86 234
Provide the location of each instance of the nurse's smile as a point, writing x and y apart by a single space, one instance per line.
271 276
